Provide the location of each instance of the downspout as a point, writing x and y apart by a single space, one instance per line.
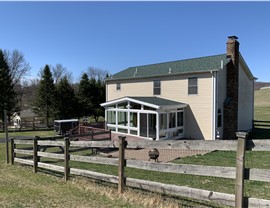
214 105
106 118
106 91
253 82
157 125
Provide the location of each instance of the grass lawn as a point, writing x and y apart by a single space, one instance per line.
20 187
28 133
262 113
255 189
262 105
218 158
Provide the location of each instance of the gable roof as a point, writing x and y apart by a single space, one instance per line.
152 101
202 64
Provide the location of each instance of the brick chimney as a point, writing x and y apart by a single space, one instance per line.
230 119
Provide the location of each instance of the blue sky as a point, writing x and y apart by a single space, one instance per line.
116 35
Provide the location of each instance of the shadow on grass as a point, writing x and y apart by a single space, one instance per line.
260 133
51 172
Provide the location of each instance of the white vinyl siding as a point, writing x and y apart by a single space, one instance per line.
198 115
245 101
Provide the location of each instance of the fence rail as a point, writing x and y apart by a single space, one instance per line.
258 124
237 172
81 132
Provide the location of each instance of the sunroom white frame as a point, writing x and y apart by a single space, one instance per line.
113 106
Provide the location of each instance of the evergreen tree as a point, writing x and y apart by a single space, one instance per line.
45 101
66 102
97 89
84 96
7 93
91 94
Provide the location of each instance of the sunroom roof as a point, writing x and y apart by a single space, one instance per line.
153 102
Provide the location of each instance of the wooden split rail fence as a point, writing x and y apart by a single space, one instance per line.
238 172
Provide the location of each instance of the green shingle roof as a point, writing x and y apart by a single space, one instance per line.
201 64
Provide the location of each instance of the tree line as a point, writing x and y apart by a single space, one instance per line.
53 95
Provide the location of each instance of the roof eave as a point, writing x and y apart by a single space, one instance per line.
113 102
164 107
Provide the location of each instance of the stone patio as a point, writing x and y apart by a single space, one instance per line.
165 155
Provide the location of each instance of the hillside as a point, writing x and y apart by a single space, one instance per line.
258 85
262 105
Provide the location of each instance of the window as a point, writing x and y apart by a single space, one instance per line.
157 87
111 117
219 122
133 119
118 86
193 86
172 120
122 118
163 121
180 119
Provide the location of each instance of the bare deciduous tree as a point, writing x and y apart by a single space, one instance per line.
18 66
59 72
97 73
29 92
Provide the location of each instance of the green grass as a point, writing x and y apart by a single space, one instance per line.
259 160
262 105
256 189
253 188
29 133
218 158
262 113
20 187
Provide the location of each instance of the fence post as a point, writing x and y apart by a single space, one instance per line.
34 127
92 135
122 164
240 169
13 146
35 154
67 157
6 135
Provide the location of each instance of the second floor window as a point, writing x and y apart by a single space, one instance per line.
193 86
118 86
157 87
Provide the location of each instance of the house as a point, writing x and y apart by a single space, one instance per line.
201 98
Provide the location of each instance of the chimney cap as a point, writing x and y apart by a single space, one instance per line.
233 37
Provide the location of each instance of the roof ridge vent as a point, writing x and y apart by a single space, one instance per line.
170 70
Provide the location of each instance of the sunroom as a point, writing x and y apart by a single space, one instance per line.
148 117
